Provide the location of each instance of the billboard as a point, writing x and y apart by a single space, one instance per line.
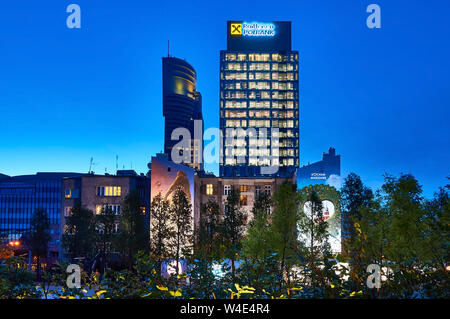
325 172
255 35
331 211
167 177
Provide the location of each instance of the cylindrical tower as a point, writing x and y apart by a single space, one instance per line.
181 106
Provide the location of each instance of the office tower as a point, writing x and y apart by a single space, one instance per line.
182 108
259 90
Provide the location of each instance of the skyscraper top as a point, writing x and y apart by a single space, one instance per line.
251 35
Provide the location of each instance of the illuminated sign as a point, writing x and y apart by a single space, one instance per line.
252 29
318 176
236 29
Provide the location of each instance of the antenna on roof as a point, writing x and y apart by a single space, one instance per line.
90 165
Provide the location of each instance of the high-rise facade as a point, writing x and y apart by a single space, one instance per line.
182 109
259 90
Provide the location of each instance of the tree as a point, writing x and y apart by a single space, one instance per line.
233 227
437 237
208 234
161 229
256 243
284 226
39 236
79 234
207 248
133 234
256 246
181 218
314 244
437 227
355 198
5 250
105 224
406 233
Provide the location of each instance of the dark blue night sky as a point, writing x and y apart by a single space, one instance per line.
381 97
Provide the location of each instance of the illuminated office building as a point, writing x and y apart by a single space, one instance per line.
182 108
259 89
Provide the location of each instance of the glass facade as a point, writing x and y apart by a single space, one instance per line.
182 108
259 90
20 196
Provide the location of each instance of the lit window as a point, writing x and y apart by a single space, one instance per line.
243 200
142 209
67 211
243 188
209 189
109 191
68 193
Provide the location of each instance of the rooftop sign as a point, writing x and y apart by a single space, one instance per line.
260 36
253 29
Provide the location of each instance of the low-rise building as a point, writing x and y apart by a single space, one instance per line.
209 187
97 192
20 197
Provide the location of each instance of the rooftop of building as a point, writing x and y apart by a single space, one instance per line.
40 176
330 155
119 174
181 61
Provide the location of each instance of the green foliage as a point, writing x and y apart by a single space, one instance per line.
208 235
396 228
133 234
16 282
80 234
106 235
181 219
162 230
283 229
256 243
233 227
39 236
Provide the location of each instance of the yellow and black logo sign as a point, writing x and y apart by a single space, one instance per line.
236 29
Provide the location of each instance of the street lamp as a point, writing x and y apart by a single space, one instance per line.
14 243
